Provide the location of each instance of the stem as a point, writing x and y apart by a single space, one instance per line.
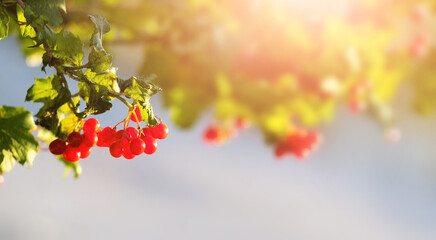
119 124
78 67
127 120
125 102
137 121
160 120
74 76
48 50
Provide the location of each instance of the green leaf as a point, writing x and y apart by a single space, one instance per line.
107 79
45 61
50 8
4 23
45 135
53 95
68 125
99 60
68 48
96 97
140 90
46 35
147 113
136 91
66 108
26 30
44 89
75 166
102 26
35 20
17 144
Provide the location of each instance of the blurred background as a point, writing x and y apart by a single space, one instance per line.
353 71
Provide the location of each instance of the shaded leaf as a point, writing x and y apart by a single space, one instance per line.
16 141
68 125
53 95
96 98
50 8
99 60
68 48
4 23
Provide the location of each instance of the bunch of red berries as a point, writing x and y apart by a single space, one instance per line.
300 143
214 134
77 145
128 142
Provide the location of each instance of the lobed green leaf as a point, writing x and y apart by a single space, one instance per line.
68 48
96 97
17 144
50 92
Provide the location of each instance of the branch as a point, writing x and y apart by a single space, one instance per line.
21 3
78 67
48 50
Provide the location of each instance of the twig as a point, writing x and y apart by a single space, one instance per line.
21 3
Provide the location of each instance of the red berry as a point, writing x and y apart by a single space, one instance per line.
116 149
211 134
160 131
241 123
108 132
281 149
84 150
57 146
100 141
91 125
356 106
131 133
106 137
150 145
137 146
312 139
126 149
89 139
71 154
301 153
146 132
138 114
118 135
74 139
98 130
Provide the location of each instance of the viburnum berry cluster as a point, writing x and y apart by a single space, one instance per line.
299 143
127 142
215 134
